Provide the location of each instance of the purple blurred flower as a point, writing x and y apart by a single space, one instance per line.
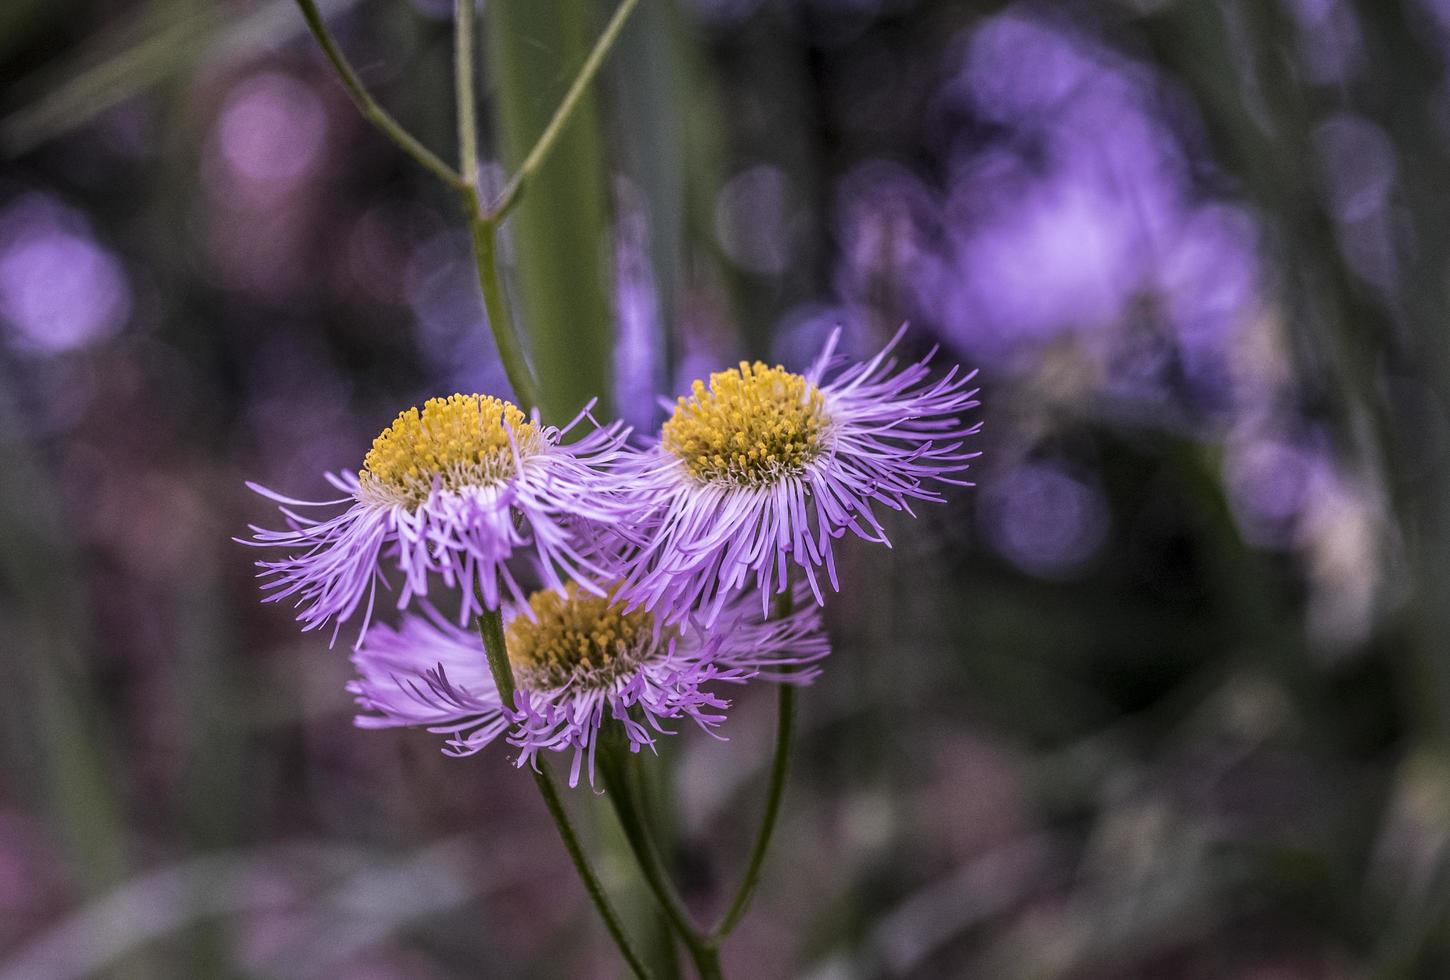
764 466
1054 255
579 662
1076 242
455 491
60 289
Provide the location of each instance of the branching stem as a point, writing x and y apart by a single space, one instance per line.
369 107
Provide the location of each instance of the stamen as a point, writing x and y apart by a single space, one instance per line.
583 639
751 427
459 441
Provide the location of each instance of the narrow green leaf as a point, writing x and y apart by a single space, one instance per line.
562 268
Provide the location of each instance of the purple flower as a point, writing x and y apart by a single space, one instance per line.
765 467
579 661
454 490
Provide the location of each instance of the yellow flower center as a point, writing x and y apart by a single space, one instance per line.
459 441
582 638
752 426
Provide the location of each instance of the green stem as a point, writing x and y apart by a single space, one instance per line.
495 304
550 793
483 229
702 948
495 648
463 32
780 766
490 630
371 111
779 769
570 102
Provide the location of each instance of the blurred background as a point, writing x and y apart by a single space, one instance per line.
1167 695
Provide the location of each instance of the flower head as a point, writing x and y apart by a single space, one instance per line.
454 490
752 427
454 443
579 661
763 467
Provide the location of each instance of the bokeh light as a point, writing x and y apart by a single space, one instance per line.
60 288
1045 519
271 133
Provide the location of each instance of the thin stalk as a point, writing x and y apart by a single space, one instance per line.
560 119
495 648
617 785
550 793
495 304
371 111
463 33
490 630
780 765
482 229
779 769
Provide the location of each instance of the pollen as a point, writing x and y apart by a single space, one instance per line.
579 638
454 442
752 426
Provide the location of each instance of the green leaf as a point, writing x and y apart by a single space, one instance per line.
561 269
